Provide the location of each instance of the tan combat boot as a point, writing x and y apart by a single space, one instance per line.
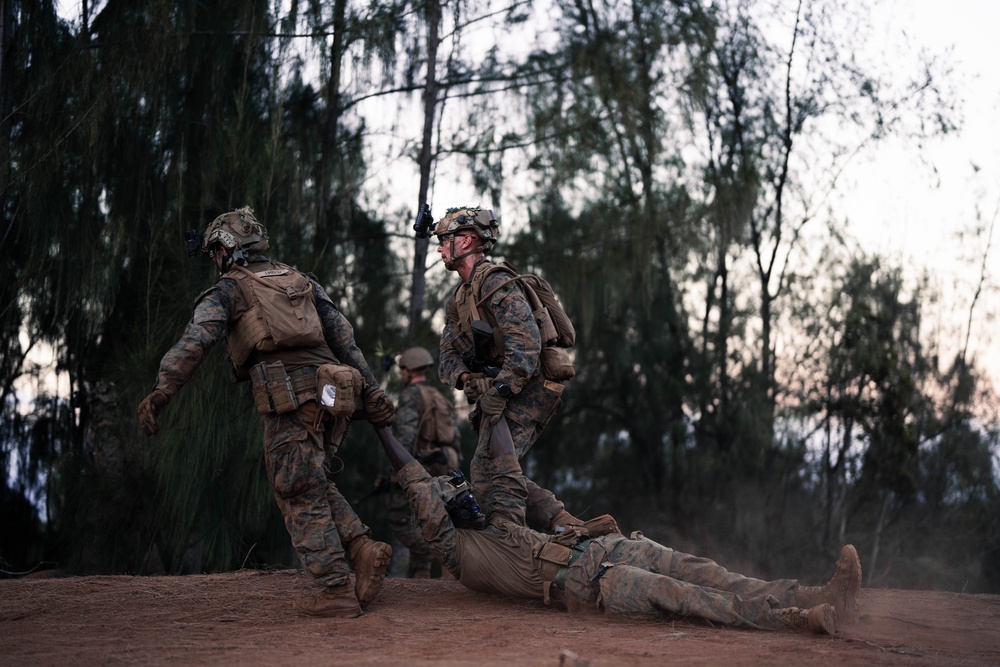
371 560
821 619
841 591
337 601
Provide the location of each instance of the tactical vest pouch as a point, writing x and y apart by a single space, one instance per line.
338 386
272 389
557 365
546 329
258 383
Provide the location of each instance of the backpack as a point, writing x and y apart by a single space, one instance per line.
282 312
437 420
554 325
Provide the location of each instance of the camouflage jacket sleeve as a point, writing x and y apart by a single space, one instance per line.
429 512
450 365
407 417
339 335
207 327
521 340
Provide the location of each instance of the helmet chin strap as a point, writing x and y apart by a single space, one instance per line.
450 265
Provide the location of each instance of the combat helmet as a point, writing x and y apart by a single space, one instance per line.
471 218
239 232
456 492
415 359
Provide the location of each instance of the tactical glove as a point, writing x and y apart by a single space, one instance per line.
475 386
378 407
148 409
492 405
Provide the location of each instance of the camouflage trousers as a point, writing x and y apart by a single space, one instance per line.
541 504
319 519
649 580
405 530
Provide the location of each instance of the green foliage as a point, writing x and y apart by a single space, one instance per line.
742 385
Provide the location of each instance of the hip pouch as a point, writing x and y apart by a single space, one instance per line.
557 365
338 386
553 557
272 388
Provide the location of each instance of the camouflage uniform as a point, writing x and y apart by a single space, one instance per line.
534 400
405 426
318 518
626 576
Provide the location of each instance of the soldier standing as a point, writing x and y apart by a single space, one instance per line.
519 391
283 333
425 425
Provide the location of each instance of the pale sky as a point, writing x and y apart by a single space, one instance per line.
910 206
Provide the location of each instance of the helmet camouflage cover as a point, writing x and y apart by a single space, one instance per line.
236 230
471 218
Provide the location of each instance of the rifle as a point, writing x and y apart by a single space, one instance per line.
474 359
482 339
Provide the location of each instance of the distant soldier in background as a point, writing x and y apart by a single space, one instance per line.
425 425
283 333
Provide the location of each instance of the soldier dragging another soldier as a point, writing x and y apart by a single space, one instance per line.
284 334
512 380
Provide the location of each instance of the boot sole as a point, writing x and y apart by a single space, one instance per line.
851 564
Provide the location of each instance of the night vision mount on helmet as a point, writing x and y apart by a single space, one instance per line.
459 501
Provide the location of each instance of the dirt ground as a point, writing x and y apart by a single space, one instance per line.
246 618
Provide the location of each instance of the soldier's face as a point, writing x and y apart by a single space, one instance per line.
453 246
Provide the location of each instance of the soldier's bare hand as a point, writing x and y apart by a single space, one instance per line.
148 409
378 407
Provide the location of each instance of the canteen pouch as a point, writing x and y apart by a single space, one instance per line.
337 388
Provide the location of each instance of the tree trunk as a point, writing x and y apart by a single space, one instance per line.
418 283
331 126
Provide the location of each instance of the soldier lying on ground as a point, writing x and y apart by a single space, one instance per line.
594 564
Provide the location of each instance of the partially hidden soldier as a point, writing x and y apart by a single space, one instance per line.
517 387
593 565
425 425
284 334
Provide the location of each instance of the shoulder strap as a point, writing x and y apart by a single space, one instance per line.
477 287
422 409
